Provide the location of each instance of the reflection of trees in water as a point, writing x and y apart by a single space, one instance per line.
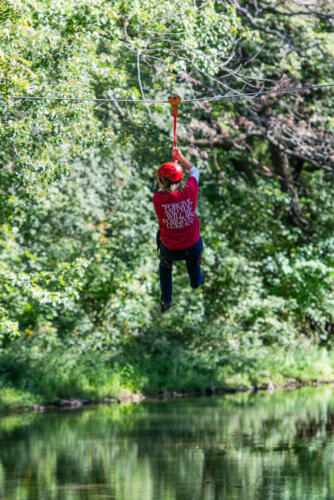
235 447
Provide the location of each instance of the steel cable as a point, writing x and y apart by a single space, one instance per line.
253 95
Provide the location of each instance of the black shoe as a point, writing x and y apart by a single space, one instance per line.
200 282
164 307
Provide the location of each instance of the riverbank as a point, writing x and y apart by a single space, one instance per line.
17 399
51 381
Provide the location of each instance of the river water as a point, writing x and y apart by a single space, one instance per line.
243 446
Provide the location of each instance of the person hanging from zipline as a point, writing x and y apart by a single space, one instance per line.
178 237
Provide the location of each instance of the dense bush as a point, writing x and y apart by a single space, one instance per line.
78 271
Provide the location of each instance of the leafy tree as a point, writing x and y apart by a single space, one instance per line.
77 268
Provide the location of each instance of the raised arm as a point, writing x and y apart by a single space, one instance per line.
192 170
179 156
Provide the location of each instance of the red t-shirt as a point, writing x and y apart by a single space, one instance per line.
179 225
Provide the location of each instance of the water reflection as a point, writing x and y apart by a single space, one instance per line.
245 446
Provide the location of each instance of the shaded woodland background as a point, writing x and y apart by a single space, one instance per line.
78 270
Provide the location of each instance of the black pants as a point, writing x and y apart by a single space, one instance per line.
191 255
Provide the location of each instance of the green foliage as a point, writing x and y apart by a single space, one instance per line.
77 226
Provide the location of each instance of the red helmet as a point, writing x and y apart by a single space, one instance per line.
172 170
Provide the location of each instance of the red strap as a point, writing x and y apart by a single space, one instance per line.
175 142
174 101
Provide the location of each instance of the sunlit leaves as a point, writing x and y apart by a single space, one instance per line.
78 227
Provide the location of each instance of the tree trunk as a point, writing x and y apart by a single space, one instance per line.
282 167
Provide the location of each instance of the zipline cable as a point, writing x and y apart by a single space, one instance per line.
4 97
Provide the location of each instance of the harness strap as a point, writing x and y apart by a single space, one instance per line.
198 262
175 140
168 264
160 256
174 101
